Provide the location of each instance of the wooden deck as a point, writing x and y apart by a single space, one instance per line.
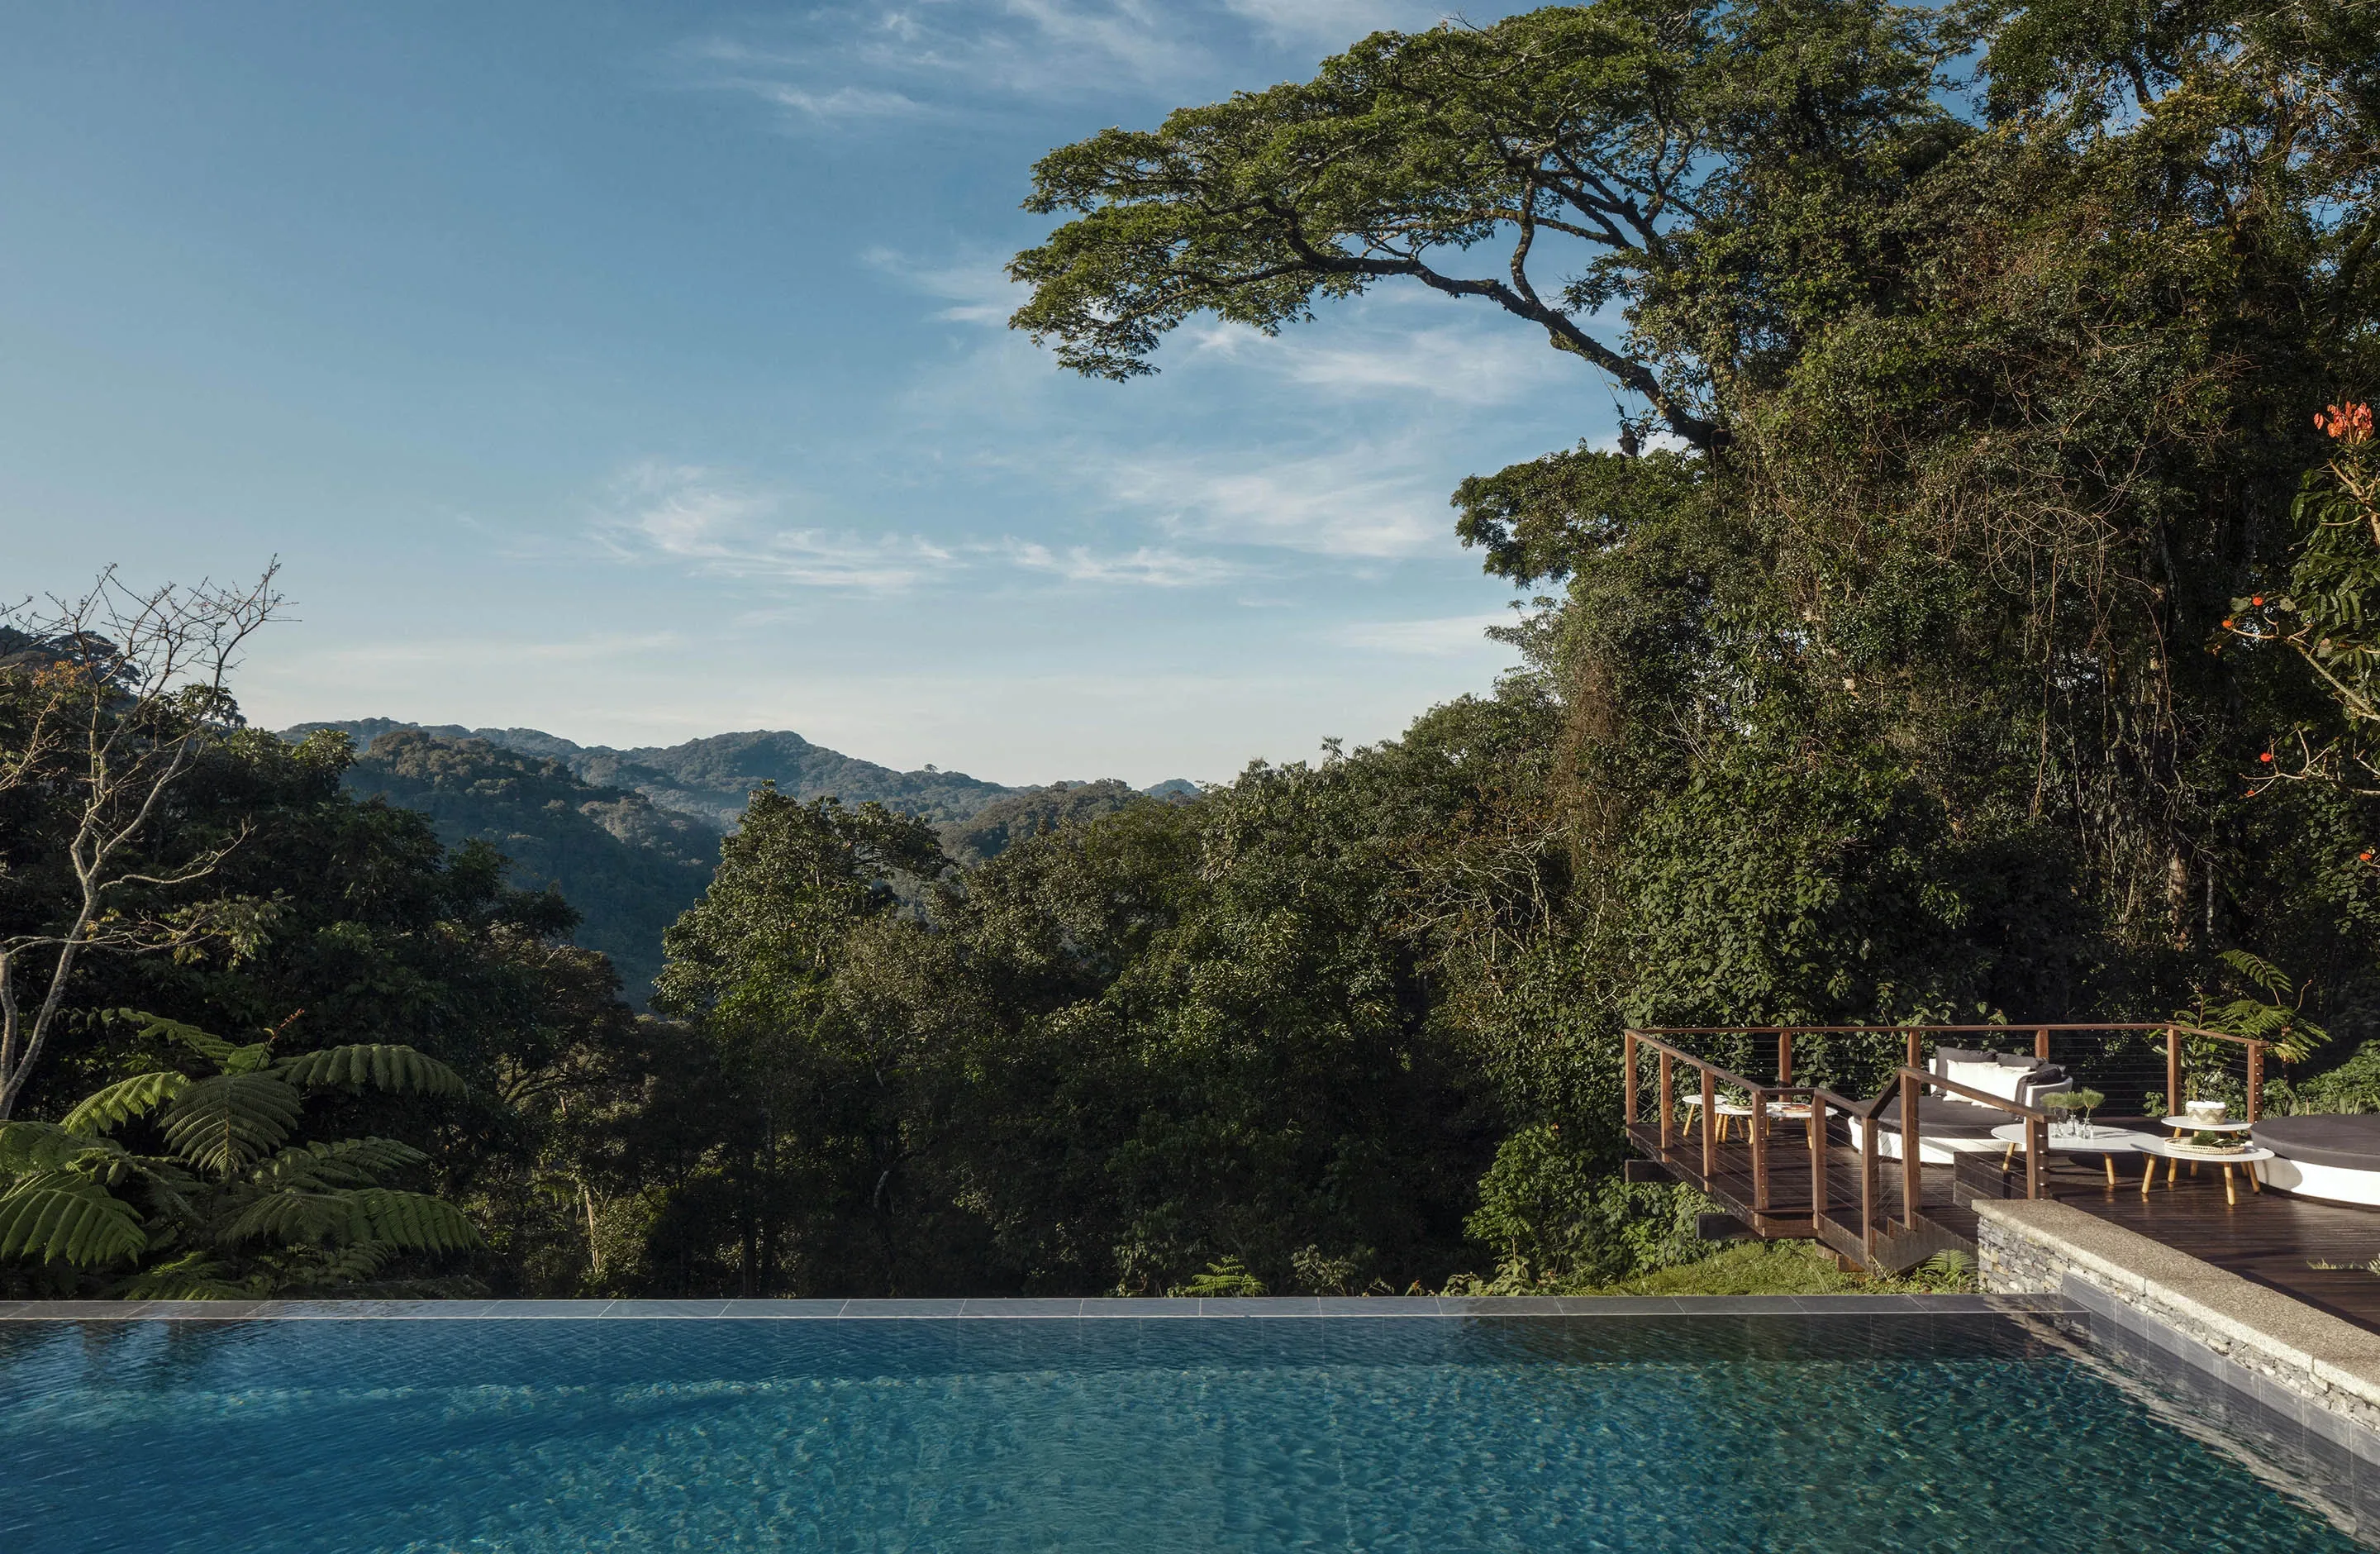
2268 1237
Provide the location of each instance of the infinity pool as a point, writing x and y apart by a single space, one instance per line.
1445 1435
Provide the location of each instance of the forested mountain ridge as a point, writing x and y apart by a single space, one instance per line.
595 829
627 865
710 778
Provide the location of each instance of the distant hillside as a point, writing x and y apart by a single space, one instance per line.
630 837
710 778
628 866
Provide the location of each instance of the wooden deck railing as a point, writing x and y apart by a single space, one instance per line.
1908 1080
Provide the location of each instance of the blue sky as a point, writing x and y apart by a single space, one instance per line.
639 372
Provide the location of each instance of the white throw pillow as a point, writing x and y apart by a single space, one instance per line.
1992 1078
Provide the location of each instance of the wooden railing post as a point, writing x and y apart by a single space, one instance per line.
2172 1073
1628 1078
2255 1080
1668 1104
2041 1044
1784 1057
1871 1184
1710 1111
2034 1144
1817 1160
1759 1121
1916 1049
1913 1175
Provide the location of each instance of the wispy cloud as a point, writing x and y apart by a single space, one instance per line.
1333 23
976 286
1441 637
847 61
1364 501
1484 360
1146 567
684 514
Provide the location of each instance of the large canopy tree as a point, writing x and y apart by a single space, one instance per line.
1582 147
1991 334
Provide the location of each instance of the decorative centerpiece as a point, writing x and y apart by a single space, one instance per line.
2073 1109
2204 1111
2214 1144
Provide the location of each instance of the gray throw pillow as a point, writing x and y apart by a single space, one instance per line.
2015 1060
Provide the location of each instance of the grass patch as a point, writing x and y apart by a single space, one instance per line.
1787 1268
1752 1268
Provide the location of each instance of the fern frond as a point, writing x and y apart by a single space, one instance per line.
380 1065
415 1222
124 1101
408 1221
215 1048
193 1276
360 1261
46 1146
2259 972
231 1120
59 1216
351 1163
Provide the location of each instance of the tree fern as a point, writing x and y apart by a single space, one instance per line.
228 1121
411 1221
125 1099
63 1216
235 1208
26 1146
392 1068
215 1048
193 1276
351 1163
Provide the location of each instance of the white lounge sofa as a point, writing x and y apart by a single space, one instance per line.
1949 1125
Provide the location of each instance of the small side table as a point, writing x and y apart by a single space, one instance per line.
2244 1159
1724 1107
2105 1143
2183 1127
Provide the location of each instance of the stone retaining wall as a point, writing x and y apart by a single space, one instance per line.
2291 1358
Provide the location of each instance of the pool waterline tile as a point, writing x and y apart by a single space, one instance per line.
1505 1308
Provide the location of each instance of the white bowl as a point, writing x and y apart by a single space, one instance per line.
2204 1111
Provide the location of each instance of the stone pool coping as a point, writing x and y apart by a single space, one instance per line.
1065 1310
2293 1359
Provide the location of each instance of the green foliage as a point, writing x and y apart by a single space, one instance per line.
229 1179
1559 1221
1222 1279
1871 693
626 866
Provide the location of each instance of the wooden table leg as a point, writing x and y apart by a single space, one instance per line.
2110 1159
2255 1185
2148 1177
2230 1195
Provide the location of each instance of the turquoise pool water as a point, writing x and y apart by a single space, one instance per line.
1421 1434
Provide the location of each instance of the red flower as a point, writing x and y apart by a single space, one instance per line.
2365 857
2266 758
2345 423
2258 601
